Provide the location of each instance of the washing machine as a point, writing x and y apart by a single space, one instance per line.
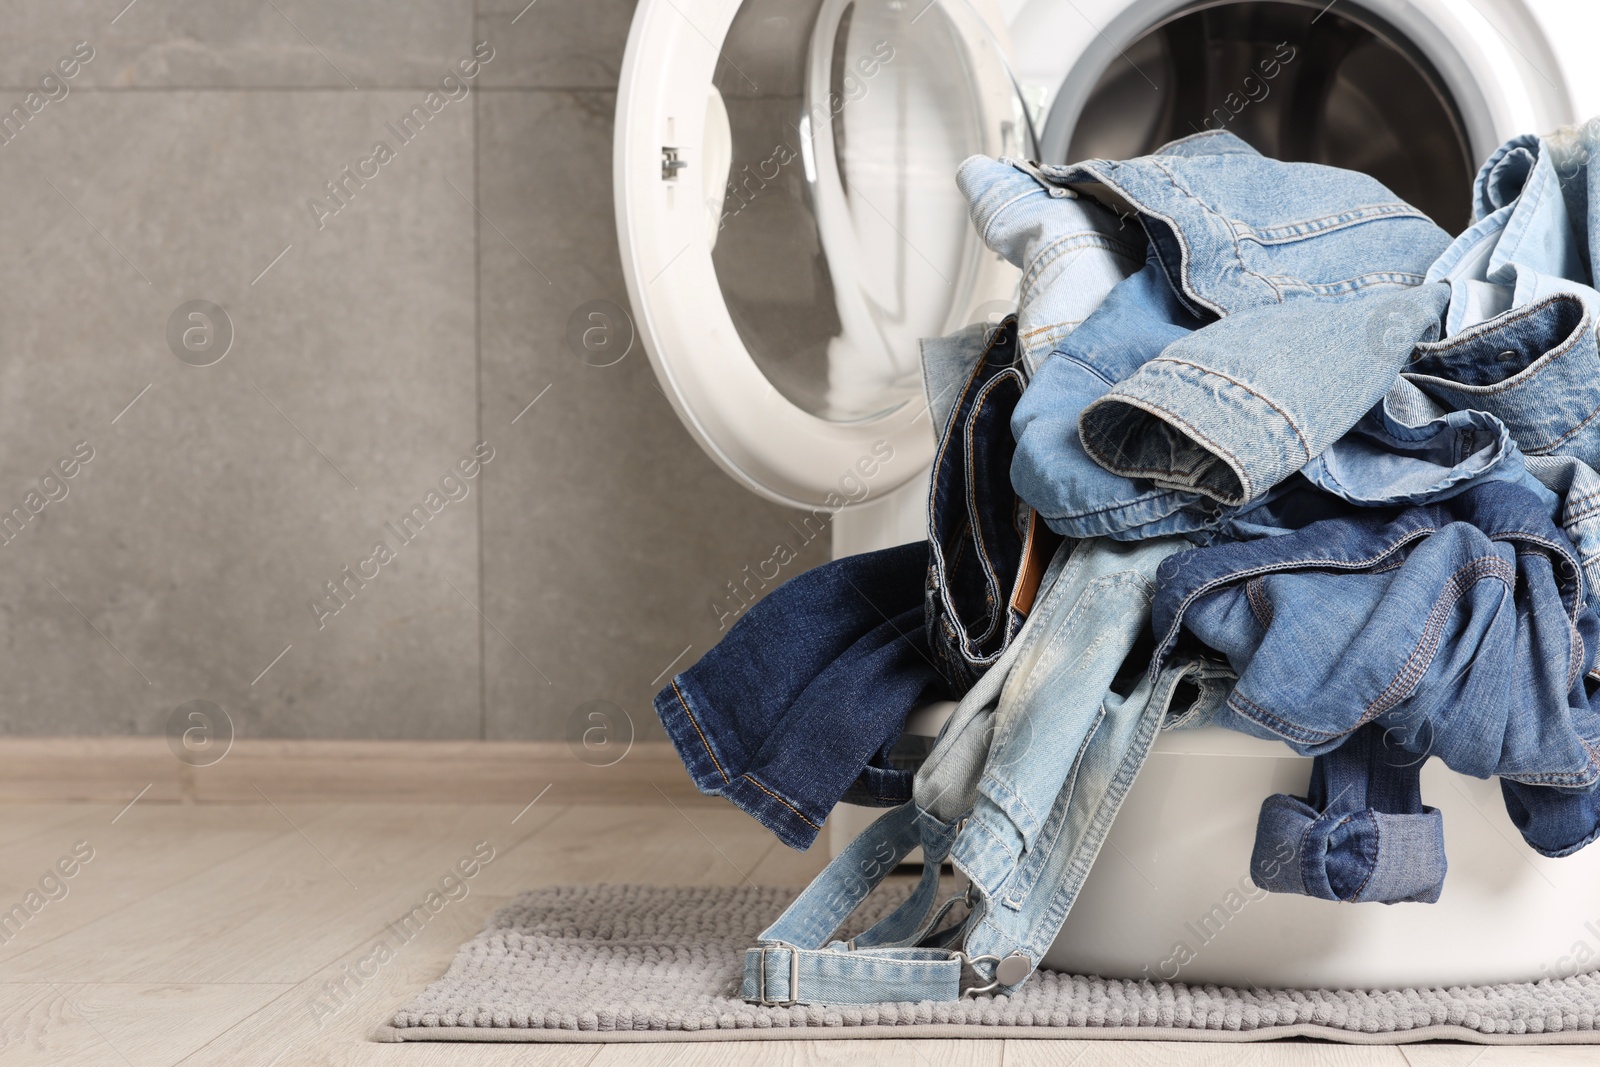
790 227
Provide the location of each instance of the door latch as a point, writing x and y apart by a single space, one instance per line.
671 164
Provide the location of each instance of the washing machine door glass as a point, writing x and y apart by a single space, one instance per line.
791 227
1300 80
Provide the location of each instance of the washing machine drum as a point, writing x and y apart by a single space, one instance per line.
1298 82
790 224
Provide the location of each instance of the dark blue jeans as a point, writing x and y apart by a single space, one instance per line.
801 701
801 704
1361 832
1459 629
987 549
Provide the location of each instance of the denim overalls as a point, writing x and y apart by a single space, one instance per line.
1019 792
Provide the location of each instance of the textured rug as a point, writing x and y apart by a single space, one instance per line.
649 963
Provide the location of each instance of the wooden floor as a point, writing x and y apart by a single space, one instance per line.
206 934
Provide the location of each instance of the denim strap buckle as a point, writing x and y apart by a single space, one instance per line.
1010 970
761 975
971 963
886 963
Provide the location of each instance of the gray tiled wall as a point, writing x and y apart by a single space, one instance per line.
372 349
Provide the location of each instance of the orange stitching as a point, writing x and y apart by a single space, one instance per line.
784 802
696 725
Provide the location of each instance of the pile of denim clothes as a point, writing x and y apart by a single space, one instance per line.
1263 448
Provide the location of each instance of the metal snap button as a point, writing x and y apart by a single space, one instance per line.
1013 969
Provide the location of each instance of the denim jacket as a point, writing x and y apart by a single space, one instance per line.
1112 440
1520 331
1071 251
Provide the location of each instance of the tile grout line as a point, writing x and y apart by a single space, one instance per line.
477 350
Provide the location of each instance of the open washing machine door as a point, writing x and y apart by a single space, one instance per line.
790 225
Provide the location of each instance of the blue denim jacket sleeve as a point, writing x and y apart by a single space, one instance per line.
1409 450
1233 409
1122 444
1051 470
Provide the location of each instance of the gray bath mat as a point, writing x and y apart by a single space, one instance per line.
647 963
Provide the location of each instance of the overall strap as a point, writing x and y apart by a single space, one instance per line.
794 960
907 956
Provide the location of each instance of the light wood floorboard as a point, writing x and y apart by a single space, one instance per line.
227 935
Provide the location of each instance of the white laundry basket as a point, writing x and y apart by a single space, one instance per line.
1170 895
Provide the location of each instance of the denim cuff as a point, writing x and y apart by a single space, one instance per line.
1353 856
714 777
1184 426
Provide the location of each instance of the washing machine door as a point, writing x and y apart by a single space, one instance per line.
790 225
